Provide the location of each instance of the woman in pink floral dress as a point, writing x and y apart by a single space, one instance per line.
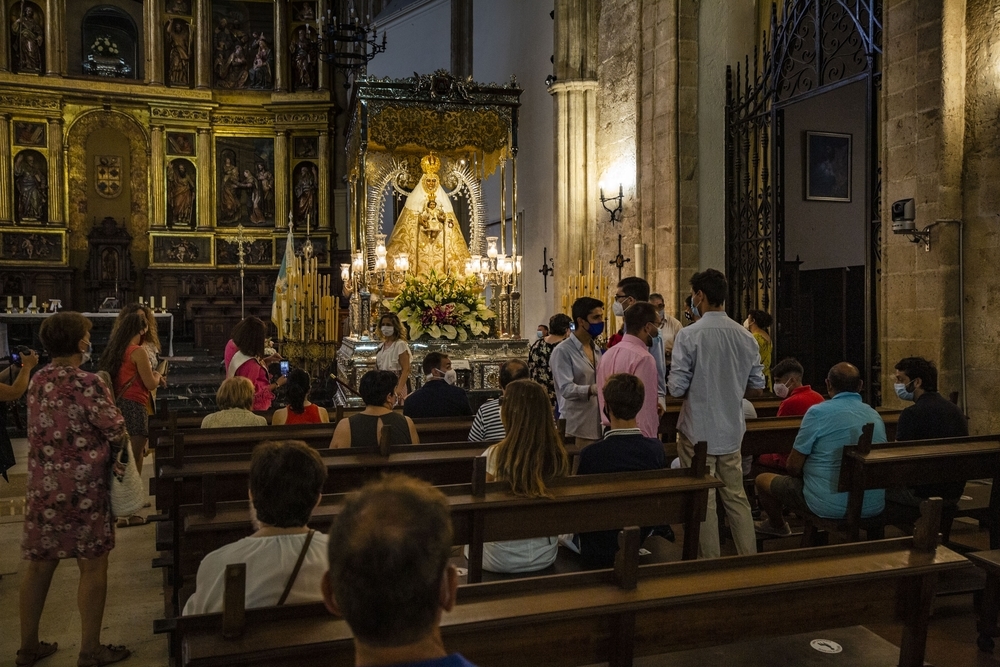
74 429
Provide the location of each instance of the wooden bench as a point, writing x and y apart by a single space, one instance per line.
866 466
766 406
989 606
776 435
614 615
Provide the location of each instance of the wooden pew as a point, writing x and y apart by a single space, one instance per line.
766 406
776 435
866 466
484 512
614 615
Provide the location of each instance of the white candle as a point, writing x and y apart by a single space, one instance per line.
163 302
33 301
140 301
152 302
20 303
10 302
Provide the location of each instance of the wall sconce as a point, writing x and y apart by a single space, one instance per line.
616 211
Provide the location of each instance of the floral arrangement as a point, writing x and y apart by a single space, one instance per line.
443 306
104 46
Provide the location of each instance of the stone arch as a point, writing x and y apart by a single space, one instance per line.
79 220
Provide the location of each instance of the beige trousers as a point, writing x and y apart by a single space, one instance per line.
728 468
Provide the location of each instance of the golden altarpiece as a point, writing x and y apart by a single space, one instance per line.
419 151
201 128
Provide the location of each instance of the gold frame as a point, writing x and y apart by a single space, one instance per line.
210 264
230 235
24 229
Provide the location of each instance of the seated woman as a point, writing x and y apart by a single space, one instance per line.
530 455
286 480
378 391
299 410
234 399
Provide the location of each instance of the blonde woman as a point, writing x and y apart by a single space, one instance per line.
529 457
394 354
235 400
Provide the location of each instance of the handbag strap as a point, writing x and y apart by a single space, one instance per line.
128 384
298 566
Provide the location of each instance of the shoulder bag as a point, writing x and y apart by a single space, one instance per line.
298 566
127 494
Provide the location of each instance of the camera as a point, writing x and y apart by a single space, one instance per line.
903 216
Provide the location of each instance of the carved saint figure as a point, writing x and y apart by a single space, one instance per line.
266 180
232 68
32 187
179 7
306 189
27 39
302 49
181 189
304 11
261 72
427 228
229 202
109 264
179 43
252 185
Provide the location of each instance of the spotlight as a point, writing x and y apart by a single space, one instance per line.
549 80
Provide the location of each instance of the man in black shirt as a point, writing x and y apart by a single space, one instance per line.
930 416
439 397
622 449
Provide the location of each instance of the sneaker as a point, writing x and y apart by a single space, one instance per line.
764 527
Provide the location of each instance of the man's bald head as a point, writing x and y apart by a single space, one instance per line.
844 377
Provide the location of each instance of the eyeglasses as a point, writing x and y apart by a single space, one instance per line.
619 297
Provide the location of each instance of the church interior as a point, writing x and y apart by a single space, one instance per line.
476 167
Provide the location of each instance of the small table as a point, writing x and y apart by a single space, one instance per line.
32 318
990 605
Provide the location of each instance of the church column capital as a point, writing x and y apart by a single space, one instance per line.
576 86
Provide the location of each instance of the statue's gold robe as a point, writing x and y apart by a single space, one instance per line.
436 244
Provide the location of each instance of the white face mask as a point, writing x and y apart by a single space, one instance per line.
780 390
388 330
617 308
450 376
902 392
87 353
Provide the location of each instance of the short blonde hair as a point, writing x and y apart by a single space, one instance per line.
236 392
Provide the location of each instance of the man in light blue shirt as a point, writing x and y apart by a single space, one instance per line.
714 365
814 463
574 372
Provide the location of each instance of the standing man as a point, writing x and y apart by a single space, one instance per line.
629 291
631 356
669 325
574 371
716 363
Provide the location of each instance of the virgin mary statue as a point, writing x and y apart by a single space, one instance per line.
427 229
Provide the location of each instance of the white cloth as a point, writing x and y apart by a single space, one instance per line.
417 198
387 357
668 331
528 555
270 561
234 364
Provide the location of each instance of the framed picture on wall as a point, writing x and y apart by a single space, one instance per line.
828 166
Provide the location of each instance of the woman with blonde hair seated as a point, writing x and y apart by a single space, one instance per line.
529 457
234 399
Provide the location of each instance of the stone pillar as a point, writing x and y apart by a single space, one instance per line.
575 93
322 67
461 38
203 46
157 175
153 10
6 177
281 46
325 214
53 38
55 171
206 173
281 207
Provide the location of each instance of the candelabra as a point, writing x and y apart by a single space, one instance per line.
502 274
308 315
359 281
348 44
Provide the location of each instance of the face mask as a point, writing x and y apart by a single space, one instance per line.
87 353
694 310
617 309
539 334
451 376
388 331
653 338
659 314
780 390
688 317
901 391
595 329
746 324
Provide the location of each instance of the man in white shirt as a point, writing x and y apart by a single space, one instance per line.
669 325
715 365
574 370
285 559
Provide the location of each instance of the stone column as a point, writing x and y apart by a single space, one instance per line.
281 207
206 172
461 38
157 175
322 67
53 38
281 46
6 178
55 171
153 10
325 214
203 46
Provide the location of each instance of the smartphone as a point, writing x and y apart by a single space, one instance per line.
284 368
15 358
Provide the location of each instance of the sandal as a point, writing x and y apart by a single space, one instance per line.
128 521
105 656
28 658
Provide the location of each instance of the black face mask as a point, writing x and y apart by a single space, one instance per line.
688 317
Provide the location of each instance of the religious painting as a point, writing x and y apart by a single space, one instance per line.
34 247
256 251
180 143
27 37
305 193
31 187
304 148
828 166
243 43
182 189
304 49
29 134
245 185
320 244
108 175
177 44
182 7
304 11
177 250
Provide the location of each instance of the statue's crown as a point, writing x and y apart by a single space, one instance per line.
431 163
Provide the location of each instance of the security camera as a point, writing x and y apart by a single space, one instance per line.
903 216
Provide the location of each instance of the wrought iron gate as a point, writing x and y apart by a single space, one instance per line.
813 46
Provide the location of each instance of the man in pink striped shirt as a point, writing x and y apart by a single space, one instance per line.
632 356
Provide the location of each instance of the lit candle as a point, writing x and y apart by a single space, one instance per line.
152 302
140 301
33 301
163 302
